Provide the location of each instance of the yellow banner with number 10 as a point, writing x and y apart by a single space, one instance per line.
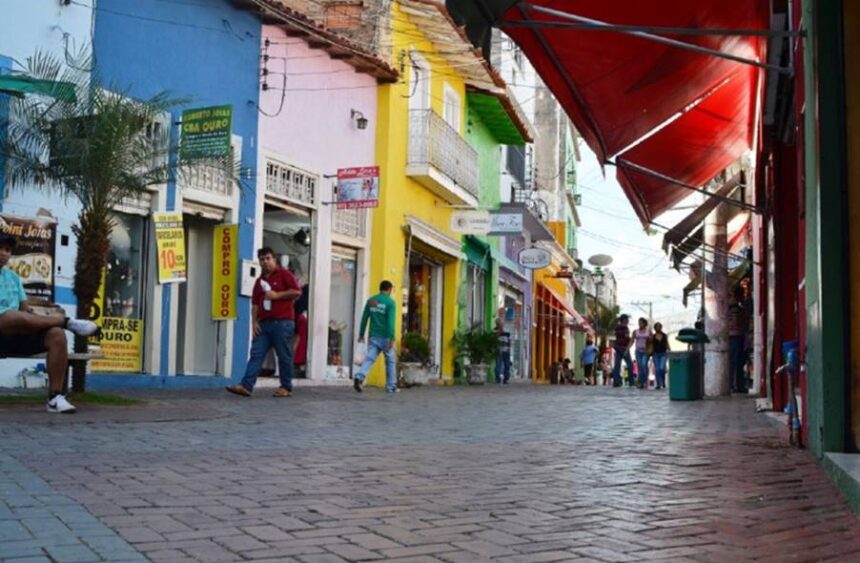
170 245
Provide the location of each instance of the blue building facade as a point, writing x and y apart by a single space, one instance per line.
207 54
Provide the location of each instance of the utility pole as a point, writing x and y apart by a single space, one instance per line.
641 304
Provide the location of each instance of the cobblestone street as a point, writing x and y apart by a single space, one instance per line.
516 473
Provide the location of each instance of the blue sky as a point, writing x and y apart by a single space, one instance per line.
609 226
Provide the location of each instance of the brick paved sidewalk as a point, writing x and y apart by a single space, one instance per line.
518 473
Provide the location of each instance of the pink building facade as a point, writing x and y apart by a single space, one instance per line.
317 115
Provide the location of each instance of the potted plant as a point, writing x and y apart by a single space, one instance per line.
415 359
480 347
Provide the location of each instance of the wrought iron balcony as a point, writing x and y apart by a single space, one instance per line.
441 160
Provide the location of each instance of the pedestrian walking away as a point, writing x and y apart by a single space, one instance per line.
379 312
23 333
503 358
660 349
622 349
642 336
587 359
273 319
738 322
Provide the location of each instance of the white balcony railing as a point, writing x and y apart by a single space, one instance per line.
290 183
213 175
435 144
350 222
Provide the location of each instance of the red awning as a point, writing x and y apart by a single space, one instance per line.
618 88
557 300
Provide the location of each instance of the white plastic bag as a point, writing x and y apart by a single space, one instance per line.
360 353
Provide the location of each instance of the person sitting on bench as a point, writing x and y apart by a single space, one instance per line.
23 333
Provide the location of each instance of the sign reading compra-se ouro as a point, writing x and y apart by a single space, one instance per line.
170 245
225 258
534 258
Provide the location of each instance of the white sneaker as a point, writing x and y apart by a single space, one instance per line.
59 404
82 327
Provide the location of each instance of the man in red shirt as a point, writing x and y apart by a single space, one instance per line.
273 319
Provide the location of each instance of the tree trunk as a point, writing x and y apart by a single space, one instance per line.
715 288
93 233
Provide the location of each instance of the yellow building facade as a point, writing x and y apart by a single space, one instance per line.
427 172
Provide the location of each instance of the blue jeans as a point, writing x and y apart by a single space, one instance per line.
616 372
660 368
375 345
503 367
642 363
275 334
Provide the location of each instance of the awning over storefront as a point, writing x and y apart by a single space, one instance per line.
17 85
659 85
477 252
502 116
557 300
438 242
531 224
736 275
579 323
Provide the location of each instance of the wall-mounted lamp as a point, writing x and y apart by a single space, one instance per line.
360 120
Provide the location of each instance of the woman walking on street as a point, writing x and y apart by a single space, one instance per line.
642 336
660 348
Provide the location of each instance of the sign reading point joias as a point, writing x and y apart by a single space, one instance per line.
225 258
206 132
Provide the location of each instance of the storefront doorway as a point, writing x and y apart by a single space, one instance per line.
512 315
342 300
287 231
424 308
198 333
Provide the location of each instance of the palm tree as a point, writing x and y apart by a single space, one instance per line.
603 319
93 144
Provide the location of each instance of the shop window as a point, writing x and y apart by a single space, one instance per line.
342 310
476 282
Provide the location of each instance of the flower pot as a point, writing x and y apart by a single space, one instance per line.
477 374
414 373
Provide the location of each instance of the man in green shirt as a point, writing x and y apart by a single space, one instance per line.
380 311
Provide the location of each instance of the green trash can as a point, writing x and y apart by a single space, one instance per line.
685 378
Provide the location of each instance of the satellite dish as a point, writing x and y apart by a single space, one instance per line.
600 260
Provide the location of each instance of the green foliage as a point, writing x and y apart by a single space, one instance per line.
416 349
479 345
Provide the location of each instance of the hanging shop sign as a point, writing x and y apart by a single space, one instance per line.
505 223
33 257
470 222
170 245
225 275
206 132
534 258
358 187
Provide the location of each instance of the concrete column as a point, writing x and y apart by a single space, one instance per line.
717 375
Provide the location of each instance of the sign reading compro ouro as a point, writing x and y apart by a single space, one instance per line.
170 245
225 258
534 258
206 132
358 187
470 222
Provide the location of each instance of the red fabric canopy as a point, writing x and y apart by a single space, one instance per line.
694 148
617 88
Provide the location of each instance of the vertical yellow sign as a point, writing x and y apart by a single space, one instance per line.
225 258
170 245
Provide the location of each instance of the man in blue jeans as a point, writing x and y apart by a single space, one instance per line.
379 311
273 319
